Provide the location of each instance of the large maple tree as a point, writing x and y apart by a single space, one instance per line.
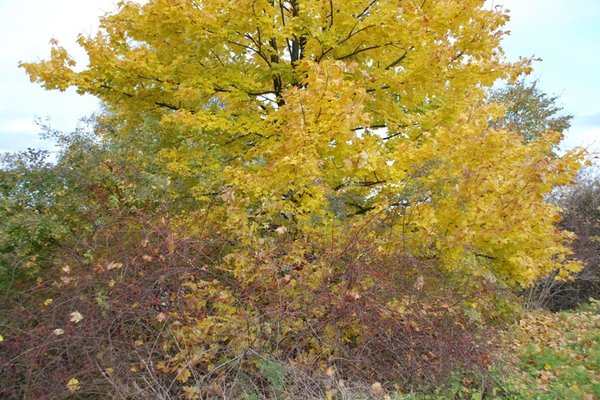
331 144
302 113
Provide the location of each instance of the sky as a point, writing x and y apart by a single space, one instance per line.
564 35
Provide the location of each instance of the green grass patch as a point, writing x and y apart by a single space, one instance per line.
548 357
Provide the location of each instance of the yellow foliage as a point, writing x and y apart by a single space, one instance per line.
298 123
73 385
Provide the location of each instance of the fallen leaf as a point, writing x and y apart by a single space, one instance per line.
113 265
419 283
73 385
161 317
76 317
377 389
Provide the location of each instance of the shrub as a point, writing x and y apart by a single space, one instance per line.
580 205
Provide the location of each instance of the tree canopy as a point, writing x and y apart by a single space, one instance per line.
529 110
297 112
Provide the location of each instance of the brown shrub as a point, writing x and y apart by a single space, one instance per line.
163 317
581 215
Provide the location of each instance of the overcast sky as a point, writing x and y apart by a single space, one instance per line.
564 35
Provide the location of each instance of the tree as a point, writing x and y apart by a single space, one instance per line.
529 110
337 148
47 204
284 106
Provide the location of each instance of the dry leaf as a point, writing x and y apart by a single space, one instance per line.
113 265
73 385
377 389
76 317
161 317
419 283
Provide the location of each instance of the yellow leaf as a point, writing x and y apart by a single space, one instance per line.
191 393
184 375
73 385
58 332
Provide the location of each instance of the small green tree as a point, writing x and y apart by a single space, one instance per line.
45 203
529 111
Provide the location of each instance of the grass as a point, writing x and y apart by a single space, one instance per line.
547 357
559 354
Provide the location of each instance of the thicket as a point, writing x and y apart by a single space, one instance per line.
580 214
97 241
282 200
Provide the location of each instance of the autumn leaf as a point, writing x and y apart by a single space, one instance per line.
113 265
419 283
377 389
76 317
184 375
73 385
161 317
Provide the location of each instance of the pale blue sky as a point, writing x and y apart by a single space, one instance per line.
564 33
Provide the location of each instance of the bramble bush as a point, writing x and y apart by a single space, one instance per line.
580 214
